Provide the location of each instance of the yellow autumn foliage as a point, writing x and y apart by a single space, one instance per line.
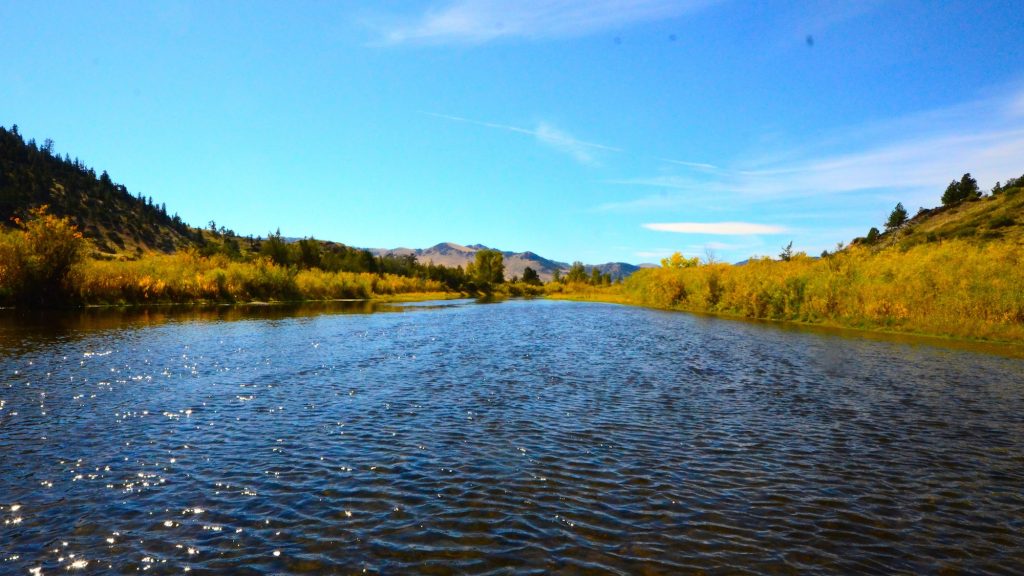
952 288
188 277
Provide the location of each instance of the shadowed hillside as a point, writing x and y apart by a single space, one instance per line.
107 213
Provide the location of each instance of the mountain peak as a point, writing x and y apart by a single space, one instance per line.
448 248
452 254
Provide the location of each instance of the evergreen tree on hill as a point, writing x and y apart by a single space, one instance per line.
897 218
966 189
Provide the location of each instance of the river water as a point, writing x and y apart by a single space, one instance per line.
519 437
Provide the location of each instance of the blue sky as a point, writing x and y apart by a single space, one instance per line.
580 129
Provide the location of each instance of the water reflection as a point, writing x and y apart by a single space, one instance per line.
531 437
18 327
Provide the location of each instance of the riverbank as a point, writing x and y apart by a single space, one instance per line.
44 264
1008 348
948 290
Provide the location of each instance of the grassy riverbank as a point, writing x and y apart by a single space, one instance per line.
42 264
189 277
953 289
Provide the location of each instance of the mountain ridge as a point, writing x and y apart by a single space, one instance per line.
454 254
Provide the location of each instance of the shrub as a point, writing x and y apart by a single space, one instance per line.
1001 221
953 288
38 259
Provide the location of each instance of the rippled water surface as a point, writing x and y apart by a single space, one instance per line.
521 437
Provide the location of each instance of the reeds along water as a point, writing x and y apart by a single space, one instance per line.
957 288
187 277
952 288
42 264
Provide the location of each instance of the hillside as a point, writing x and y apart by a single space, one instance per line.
996 217
452 254
116 221
123 225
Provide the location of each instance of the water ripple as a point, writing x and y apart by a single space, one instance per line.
525 437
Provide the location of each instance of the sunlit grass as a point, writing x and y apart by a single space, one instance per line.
956 287
188 277
42 264
953 288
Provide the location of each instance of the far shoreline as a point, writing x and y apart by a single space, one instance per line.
1011 348
1006 348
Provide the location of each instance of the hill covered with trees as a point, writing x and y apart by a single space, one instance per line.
132 250
68 235
115 220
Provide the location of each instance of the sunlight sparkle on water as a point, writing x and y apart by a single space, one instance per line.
529 420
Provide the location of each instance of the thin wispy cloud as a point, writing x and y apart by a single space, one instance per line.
912 157
688 164
546 134
924 162
673 192
670 182
481 21
716 228
563 142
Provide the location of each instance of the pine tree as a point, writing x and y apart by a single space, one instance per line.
897 218
787 252
952 194
966 189
969 187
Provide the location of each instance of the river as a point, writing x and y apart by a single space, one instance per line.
516 437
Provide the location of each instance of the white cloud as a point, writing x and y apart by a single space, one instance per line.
924 162
716 228
480 21
911 157
546 134
559 140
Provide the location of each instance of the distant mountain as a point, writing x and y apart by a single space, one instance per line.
452 254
